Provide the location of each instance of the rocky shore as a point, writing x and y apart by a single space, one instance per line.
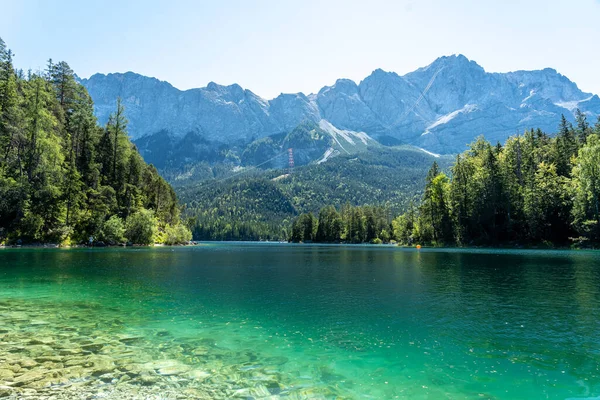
83 351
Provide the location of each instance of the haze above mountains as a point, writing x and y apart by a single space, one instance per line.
440 108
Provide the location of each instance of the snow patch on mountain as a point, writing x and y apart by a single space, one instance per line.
571 105
348 136
429 152
328 153
444 119
531 94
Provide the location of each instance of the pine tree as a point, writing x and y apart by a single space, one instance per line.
428 204
583 127
9 110
565 147
586 183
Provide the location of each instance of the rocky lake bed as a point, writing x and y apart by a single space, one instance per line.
82 351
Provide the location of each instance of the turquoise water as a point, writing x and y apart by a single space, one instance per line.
338 321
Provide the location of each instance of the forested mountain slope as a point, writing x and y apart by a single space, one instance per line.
261 204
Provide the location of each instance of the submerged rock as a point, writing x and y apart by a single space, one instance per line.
29 377
6 374
198 375
6 391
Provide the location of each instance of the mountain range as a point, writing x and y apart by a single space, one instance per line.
440 108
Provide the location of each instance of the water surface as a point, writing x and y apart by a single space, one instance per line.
327 321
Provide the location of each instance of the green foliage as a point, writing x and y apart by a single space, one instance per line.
352 225
113 231
404 226
178 234
62 177
330 225
536 189
260 205
141 227
586 189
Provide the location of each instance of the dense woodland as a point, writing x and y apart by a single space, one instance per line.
261 205
364 224
63 178
535 189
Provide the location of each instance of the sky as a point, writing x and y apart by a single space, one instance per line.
289 46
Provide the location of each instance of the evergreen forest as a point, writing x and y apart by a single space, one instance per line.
536 189
64 178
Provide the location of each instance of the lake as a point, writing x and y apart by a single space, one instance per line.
300 321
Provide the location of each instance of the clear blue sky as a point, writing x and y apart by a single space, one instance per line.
290 46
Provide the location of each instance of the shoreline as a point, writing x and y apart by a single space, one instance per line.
383 245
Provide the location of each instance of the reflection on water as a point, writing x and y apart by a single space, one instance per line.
285 321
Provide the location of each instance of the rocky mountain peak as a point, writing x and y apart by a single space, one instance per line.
440 107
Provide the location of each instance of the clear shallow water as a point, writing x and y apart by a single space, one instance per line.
348 321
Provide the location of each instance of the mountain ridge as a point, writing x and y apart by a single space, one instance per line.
440 107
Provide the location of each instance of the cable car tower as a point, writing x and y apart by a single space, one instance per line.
290 160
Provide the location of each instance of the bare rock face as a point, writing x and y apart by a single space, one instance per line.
441 107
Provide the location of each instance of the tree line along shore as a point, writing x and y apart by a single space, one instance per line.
535 190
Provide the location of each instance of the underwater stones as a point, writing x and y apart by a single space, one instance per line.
108 378
43 359
81 355
28 377
52 365
50 378
27 362
208 342
132 370
101 365
175 370
195 393
199 351
260 391
6 391
93 347
69 352
148 380
16 368
75 372
38 350
44 340
168 367
276 360
38 322
243 393
6 373
273 387
77 361
198 375
129 339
